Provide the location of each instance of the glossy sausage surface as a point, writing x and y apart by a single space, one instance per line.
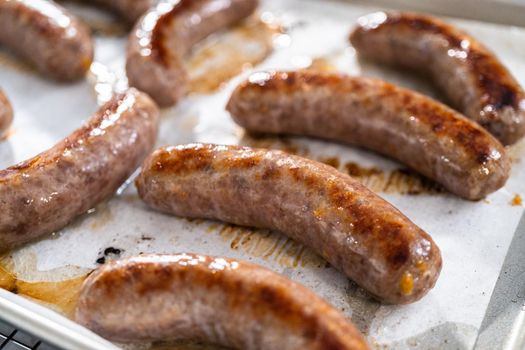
164 35
45 193
47 36
470 75
211 299
416 130
355 230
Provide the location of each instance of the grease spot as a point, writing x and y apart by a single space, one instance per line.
61 296
220 57
516 200
101 216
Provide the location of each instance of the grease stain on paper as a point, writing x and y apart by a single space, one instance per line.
61 296
221 57
266 244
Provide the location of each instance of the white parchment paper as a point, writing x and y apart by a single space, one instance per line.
473 236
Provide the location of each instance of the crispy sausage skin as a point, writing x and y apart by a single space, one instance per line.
46 192
418 131
43 33
6 114
473 79
352 228
216 300
129 10
165 33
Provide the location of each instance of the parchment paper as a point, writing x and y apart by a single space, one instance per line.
473 236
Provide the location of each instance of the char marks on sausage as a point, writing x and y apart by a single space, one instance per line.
352 228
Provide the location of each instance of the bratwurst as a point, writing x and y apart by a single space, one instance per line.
416 130
45 193
165 33
355 230
471 76
215 300
46 35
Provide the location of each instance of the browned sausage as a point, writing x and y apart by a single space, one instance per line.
46 192
55 42
416 130
352 228
165 33
6 114
216 300
470 75
130 10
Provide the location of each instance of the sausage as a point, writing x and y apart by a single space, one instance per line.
6 114
469 74
43 33
416 130
165 33
129 10
352 228
212 299
45 193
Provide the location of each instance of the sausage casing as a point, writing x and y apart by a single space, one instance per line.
352 228
469 74
45 193
51 39
211 299
416 130
165 33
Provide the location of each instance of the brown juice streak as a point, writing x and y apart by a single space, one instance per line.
401 181
267 245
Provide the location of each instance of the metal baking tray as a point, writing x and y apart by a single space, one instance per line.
478 300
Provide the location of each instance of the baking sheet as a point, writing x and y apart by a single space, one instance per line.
473 237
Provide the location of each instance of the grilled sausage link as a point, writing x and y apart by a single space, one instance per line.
211 299
470 75
44 34
416 130
165 33
6 114
352 228
45 193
